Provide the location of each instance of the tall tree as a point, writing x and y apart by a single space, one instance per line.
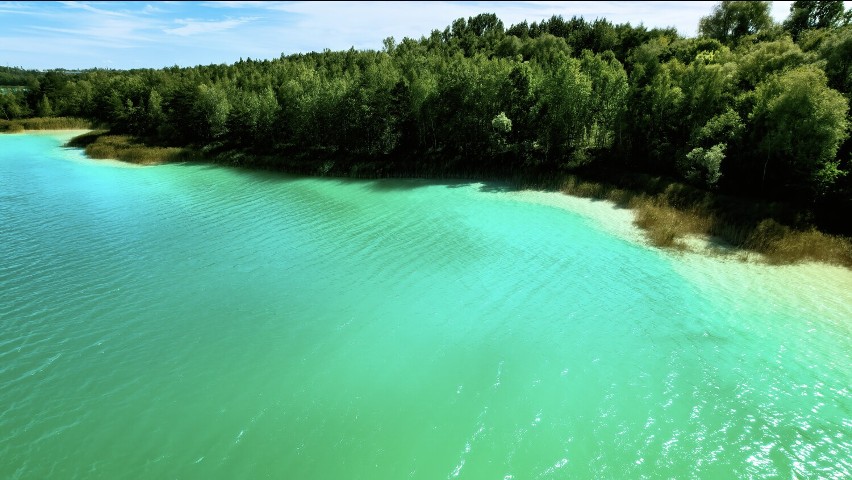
733 20
43 108
211 109
767 58
837 52
799 123
808 15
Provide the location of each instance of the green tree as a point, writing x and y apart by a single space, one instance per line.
813 14
836 49
210 112
501 126
501 123
268 119
608 97
766 58
799 123
564 114
546 50
732 20
725 127
703 167
43 108
657 113
154 116
13 105
79 96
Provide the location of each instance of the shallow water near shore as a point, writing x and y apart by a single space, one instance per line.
192 321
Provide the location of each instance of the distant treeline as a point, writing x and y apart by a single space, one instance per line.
749 107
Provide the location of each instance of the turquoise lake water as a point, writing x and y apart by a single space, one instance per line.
190 321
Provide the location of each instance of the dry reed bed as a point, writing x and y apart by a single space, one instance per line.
44 123
669 213
99 145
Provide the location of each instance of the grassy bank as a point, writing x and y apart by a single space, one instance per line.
101 145
44 123
668 212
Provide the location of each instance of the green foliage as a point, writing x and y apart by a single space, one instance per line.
725 127
708 87
767 58
546 50
210 112
809 15
501 123
43 108
657 124
704 167
732 20
13 104
836 50
800 123
608 97
564 114
155 116
477 34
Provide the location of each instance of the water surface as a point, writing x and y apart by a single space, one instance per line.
189 321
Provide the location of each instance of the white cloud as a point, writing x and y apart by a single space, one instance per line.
151 9
246 4
196 27
202 33
15 7
89 8
107 30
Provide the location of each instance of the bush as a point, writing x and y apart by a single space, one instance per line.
703 167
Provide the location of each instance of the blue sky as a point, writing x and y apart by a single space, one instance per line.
71 35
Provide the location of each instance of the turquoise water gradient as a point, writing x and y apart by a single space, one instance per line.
189 321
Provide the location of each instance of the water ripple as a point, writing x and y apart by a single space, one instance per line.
201 322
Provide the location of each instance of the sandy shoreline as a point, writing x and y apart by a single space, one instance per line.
704 254
606 215
63 135
76 154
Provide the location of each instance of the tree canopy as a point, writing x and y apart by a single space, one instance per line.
732 20
815 14
736 109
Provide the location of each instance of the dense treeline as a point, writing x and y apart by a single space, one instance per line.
749 107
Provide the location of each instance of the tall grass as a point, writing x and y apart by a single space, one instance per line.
44 123
100 145
668 212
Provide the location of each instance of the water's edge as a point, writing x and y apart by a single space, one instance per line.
702 244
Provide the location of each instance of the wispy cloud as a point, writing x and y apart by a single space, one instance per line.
89 8
18 8
151 9
247 4
107 29
77 34
199 27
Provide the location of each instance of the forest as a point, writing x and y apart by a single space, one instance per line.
749 107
